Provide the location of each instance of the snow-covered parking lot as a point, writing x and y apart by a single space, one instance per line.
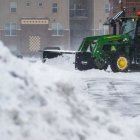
115 91
53 101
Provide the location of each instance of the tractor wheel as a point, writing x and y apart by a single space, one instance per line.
120 63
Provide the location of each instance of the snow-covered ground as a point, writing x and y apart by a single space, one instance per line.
53 101
115 91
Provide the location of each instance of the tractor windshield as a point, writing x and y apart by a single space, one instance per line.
128 26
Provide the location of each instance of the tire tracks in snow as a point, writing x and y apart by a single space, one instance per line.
115 94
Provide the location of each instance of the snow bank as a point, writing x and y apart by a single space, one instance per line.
40 102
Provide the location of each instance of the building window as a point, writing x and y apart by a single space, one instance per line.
120 1
13 7
40 4
28 4
54 7
57 29
10 29
107 8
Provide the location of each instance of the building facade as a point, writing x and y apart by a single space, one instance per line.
101 13
87 18
130 7
32 25
27 26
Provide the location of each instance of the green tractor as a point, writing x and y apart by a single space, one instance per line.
121 52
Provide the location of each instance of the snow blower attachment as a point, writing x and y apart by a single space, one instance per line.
84 61
50 52
121 52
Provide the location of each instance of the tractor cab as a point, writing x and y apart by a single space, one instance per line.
131 26
136 42
128 26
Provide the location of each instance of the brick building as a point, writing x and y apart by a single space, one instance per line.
31 25
117 6
27 26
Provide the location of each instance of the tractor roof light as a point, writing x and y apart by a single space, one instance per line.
138 13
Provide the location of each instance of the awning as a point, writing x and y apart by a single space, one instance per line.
112 19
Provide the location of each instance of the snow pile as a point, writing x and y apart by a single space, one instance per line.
65 61
38 102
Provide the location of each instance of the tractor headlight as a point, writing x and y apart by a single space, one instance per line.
94 41
125 40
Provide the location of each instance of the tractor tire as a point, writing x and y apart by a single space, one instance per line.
120 63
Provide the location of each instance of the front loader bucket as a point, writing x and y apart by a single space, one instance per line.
84 61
